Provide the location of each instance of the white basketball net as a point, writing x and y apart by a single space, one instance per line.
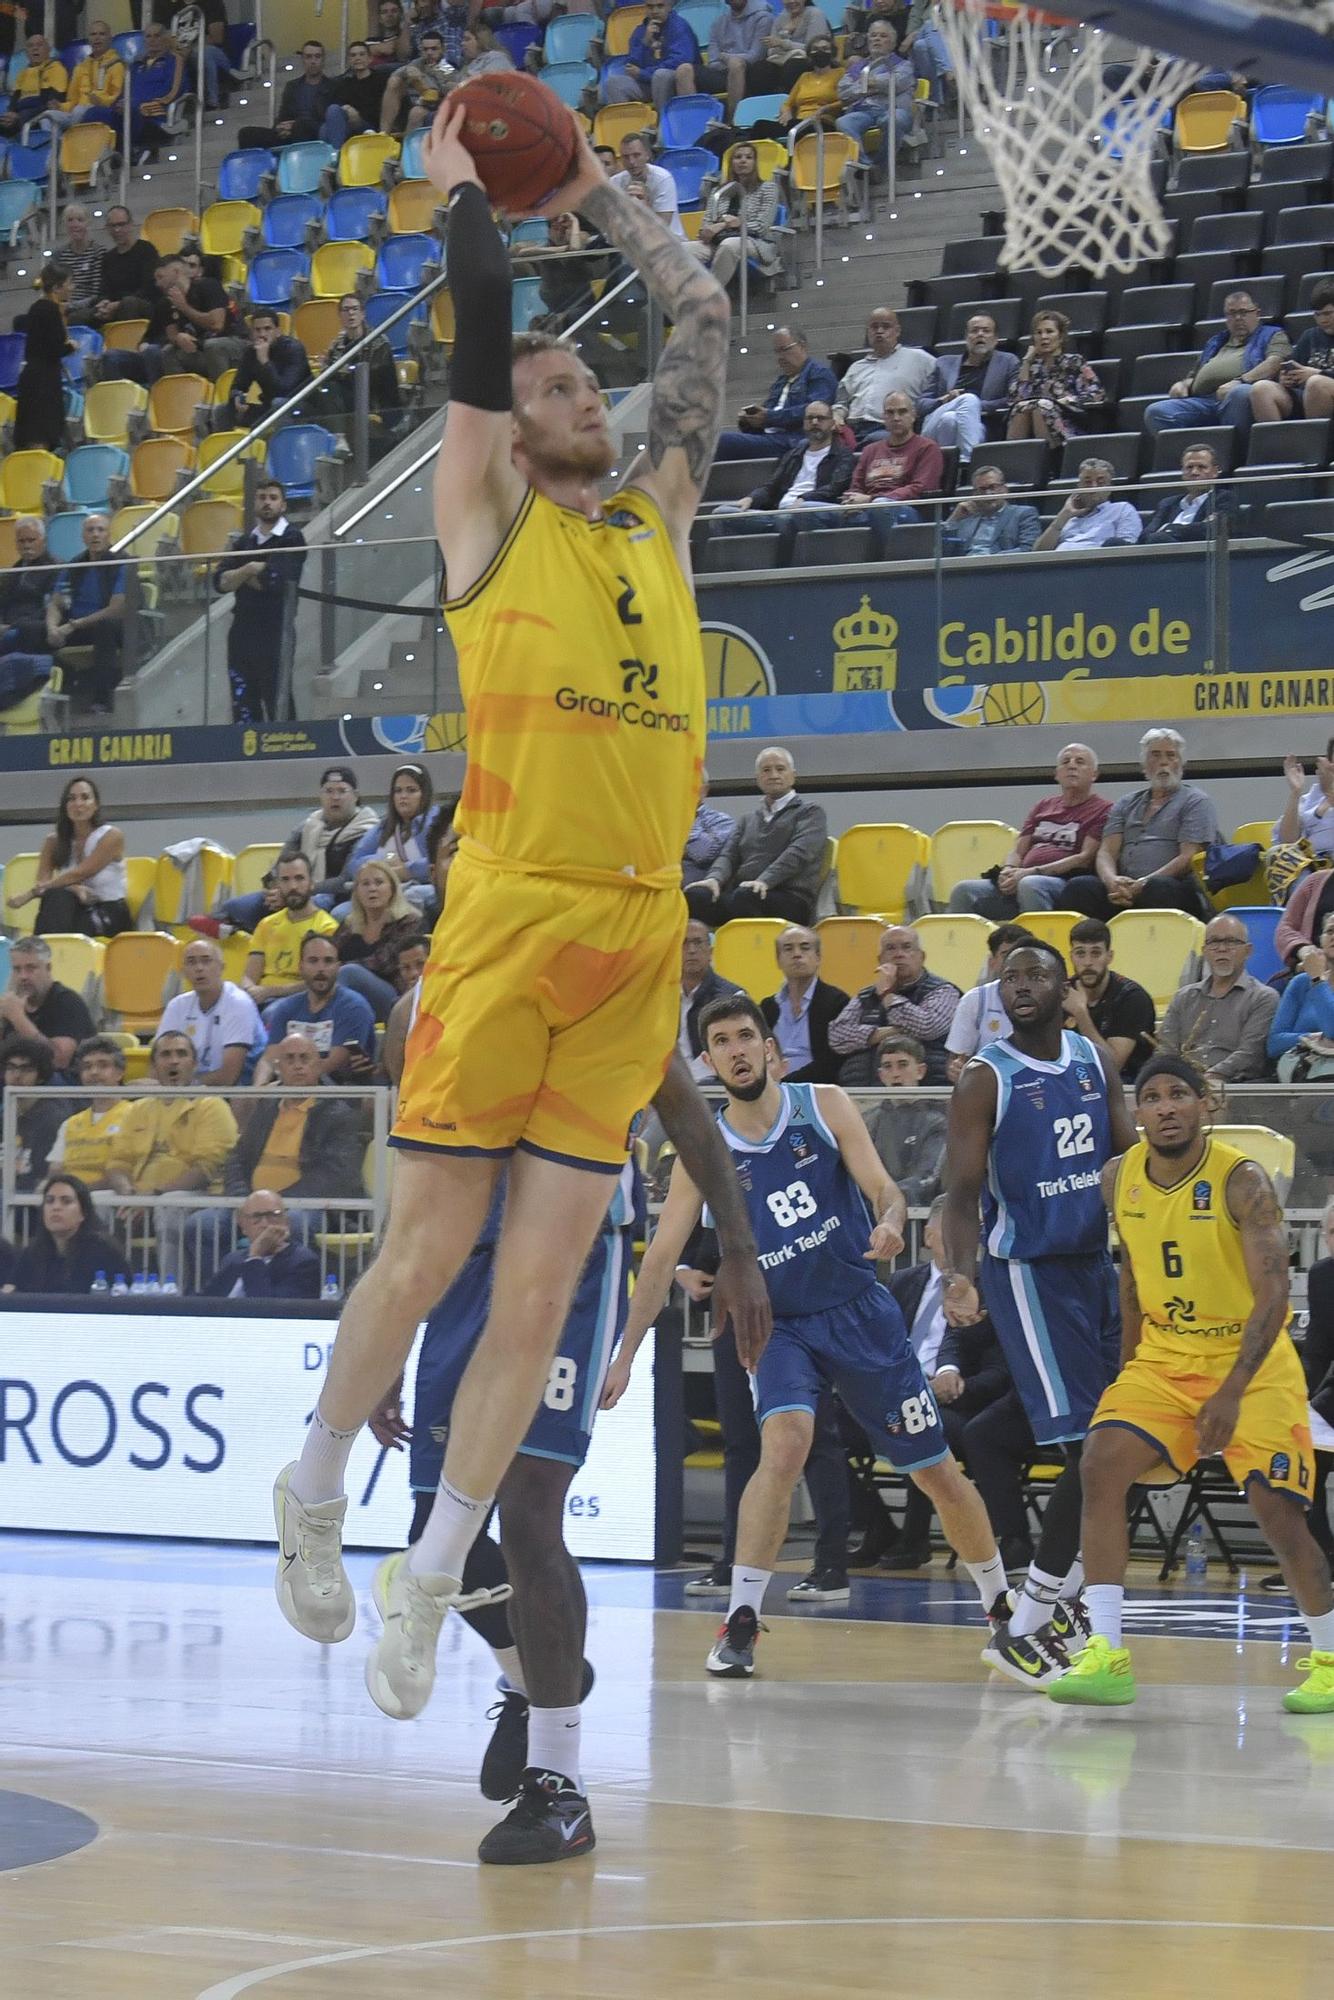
1072 156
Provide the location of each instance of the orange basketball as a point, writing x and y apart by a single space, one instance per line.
521 136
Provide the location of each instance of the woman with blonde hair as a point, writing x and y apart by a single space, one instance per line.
379 922
1055 387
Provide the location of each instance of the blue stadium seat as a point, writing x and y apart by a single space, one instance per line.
526 303
350 213
73 54
516 41
684 118
18 200
401 265
89 470
285 221
241 172
410 166
701 15
33 162
86 340
569 80
567 38
1261 921
64 533
11 357
1280 114
687 167
531 230
239 36
752 109
272 275
293 451
130 48
381 305
302 167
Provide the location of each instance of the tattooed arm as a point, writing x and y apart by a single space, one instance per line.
1254 1207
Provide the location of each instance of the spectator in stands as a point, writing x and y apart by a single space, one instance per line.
39 416
221 1022
920 38
358 97
652 185
155 85
68 1253
26 1066
411 962
863 89
43 82
386 399
482 56
816 474
987 522
744 194
193 329
79 259
87 609
709 834
262 578
401 836
273 969
1308 815
1090 518
980 1017
773 863
897 468
37 1006
1301 1033
1146 858
379 922
414 91
95 87
311 1146
445 17
1059 838
128 271
329 837
971 389
700 984
1249 350
566 281
660 62
1306 379
886 366
1303 919
795 27
170 1144
907 1132
903 999
738 42
80 884
770 429
1054 388
84 1141
271 368
267 1264
338 1021
814 92
383 42
24 589
1119 1010
218 73
1187 516
800 1012
303 107
1221 1022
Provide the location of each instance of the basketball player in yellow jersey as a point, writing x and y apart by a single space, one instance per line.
1207 1366
549 1006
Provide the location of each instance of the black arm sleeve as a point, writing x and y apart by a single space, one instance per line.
479 278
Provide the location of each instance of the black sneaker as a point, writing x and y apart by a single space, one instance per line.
1033 1661
821 1586
549 1821
1000 1611
1071 1624
506 1756
715 1581
733 1654
906 1555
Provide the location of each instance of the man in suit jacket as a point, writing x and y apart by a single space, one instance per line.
262 578
987 522
800 1011
1189 516
269 1265
971 389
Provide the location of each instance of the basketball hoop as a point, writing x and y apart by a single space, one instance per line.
1071 153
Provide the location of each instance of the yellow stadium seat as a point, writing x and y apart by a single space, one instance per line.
82 150
223 225
77 961
620 25
136 1053
222 388
1052 926
23 475
743 954
20 874
364 158
413 206
169 885
9 548
167 228
124 333
228 482
691 221
155 465
139 976
108 407
848 950
1155 947
1276 1152
141 870
614 121
1205 119
236 950
335 267
840 154
126 520
955 947
8 407
206 526
770 156
442 318
882 869
232 271
252 864
1255 889
964 848
172 402
316 325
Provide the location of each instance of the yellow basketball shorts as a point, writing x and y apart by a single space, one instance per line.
1272 1441
549 1010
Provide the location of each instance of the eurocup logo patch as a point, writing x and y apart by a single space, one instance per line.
1202 1197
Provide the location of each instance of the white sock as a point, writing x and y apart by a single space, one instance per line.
452 1527
1036 1598
1321 1630
1073 1583
318 1473
989 1578
553 1742
511 1671
748 1587
1103 1603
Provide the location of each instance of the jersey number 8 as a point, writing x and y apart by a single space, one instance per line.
792 1204
559 1392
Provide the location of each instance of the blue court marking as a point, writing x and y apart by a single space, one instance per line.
34 1829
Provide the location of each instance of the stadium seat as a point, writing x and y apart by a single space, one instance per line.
172 402
87 342
274 274
414 206
228 482
700 15
23 475
167 228
381 306
139 976
90 470
955 947
1025 462
1284 116
526 302
848 950
363 159
20 201
64 533
224 225
293 452
882 870
20 873
316 325
688 167
9 548
842 172
140 873
1262 922
123 335
758 110
83 148
1206 121
409 162
12 347
965 848
128 520
76 962
614 122
1156 948
1276 1152
620 25
335 268
743 954
685 118
406 263
156 465
107 409
285 224
568 37
252 864
351 213
207 526
242 173
770 158
214 877
302 167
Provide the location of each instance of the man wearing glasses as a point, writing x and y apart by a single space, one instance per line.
1249 350
1221 1023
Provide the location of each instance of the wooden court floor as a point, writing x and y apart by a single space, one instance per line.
872 1815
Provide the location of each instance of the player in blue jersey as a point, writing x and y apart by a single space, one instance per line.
1033 1121
824 1212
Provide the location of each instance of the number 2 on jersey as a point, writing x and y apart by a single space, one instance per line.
1073 1135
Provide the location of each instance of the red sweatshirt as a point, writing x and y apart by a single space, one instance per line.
888 471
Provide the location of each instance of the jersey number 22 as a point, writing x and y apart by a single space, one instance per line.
1073 1135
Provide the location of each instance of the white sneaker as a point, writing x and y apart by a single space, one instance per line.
311 1585
400 1670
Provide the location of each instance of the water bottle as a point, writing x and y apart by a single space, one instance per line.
153 1285
100 1282
1197 1553
170 1288
331 1294
119 1287
138 1285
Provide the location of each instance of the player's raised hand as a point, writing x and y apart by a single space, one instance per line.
1217 1420
959 1301
741 1301
616 1381
886 1242
447 161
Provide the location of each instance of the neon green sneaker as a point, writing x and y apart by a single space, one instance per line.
1315 1696
1099 1677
